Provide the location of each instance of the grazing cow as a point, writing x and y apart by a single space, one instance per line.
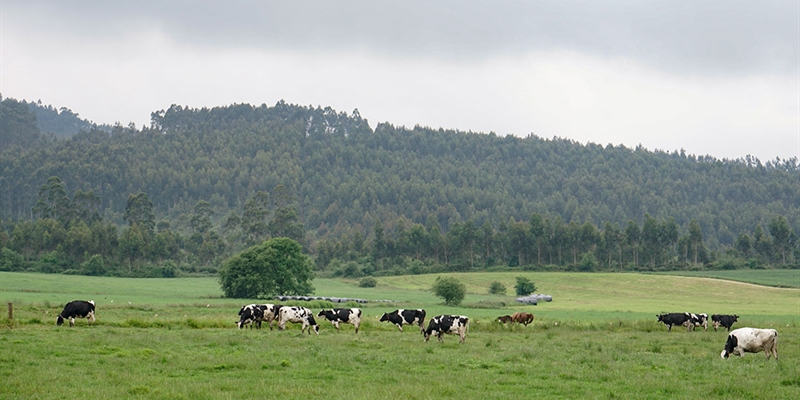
505 319
676 319
723 320
751 340
250 314
297 315
271 312
698 320
257 313
76 309
344 315
408 317
450 324
522 318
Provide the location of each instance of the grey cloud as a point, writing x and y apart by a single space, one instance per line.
708 37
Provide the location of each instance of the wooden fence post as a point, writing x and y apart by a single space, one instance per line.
10 310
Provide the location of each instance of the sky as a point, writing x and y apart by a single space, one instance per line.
719 78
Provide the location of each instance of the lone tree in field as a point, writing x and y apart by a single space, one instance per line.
450 289
275 267
524 286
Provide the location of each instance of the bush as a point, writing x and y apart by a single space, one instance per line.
524 286
169 269
588 262
450 289
368 282
497 288
11 260
94 266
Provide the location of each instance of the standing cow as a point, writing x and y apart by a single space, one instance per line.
723 320
751 340
350 316
270 314
676 319
76 309
450 324
298 315
407 317
698 320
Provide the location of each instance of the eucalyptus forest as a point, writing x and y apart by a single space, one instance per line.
197 186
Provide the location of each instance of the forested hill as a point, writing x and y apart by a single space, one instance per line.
343 175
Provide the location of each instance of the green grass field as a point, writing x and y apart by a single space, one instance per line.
598 338
789 278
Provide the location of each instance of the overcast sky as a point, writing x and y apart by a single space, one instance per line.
711 77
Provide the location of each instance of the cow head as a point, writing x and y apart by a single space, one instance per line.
731 344
384 317
321 313
59 320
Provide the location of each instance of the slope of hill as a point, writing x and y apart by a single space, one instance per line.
342 177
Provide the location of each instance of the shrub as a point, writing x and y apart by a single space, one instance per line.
169 269
588 262
368 282
450 289
524 286
497 288
11 260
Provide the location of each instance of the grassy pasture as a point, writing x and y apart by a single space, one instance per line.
598 339
789 278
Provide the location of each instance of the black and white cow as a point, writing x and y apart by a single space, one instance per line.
698 320
408 317
723 320
250 314
257 313
676 319
350 316
297 315
450 324
76 309
271 312
751 340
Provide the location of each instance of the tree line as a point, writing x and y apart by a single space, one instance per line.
219 180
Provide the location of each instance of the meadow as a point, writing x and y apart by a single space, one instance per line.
789 278
598 338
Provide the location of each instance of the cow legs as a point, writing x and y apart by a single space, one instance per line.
400 327
357 326
71 322
771 349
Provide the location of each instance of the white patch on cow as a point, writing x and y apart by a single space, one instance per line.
752 340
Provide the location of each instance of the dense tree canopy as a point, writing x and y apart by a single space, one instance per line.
199 185
275 267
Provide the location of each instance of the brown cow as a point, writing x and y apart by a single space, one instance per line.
522 318
505 319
